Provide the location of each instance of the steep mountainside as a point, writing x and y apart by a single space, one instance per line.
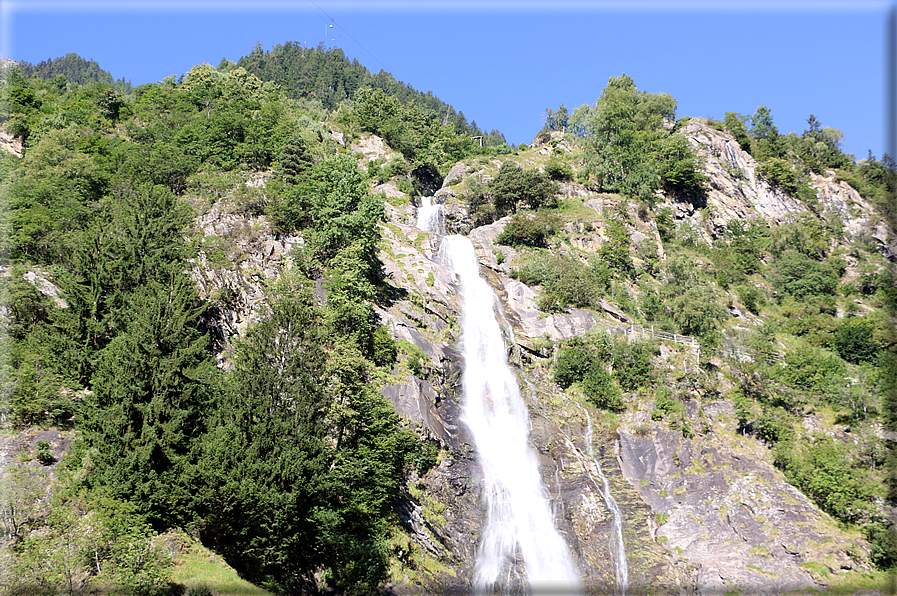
704 508
350 344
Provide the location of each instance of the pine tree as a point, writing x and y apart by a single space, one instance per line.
266 460
152 387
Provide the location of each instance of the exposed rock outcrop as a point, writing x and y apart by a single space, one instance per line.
722 507
736 192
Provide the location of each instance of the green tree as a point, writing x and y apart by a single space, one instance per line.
556 120
615 250
129 243
152 387
697 311
764 133
624 127
51 197
735 124
266 457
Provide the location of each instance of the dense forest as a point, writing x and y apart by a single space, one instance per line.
275 447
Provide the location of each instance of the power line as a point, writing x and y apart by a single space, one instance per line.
383 66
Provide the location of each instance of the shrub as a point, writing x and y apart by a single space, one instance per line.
414 364
632 363
751 297
565 281
384 350
697 311
44 455
799 276
577 356
600 390
780 174
820 472
854 340
515 187
814 370
615 250
883 546
734 123
664 404
555 170
528 229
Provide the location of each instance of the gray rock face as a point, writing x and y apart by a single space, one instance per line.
371 147
737 191
723 508
11 144
238 257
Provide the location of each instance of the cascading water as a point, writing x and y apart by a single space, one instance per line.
430 217
615 540
519 522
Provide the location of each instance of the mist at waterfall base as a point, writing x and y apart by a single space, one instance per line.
519 523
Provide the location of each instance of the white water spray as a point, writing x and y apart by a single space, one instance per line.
430 217
519 522
615 540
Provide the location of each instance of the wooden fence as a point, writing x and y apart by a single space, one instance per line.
731 352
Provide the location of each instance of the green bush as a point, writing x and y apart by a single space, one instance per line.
555 170
529 229
415 364
774 425
734 123
577 356
814 370
666 225
44 455
815 328
385 349
751 297
780 174
513 187
664 404
600 390
822 472
799 276
854 341
565 280
632 363
583 361
883 546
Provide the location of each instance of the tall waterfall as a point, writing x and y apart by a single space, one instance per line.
615 540
519 523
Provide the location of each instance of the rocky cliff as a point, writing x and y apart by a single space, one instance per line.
703 513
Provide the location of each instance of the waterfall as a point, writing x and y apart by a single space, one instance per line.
615 540
429 217
519 523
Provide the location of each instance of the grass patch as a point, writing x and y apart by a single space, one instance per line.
197 567
817 571
847 584
760 570
759 551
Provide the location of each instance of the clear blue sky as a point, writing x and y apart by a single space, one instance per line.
503 62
